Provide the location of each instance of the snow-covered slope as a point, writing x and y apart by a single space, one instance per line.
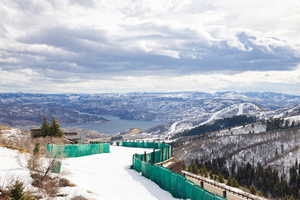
236 109
250 128
294 118
108 177
97 177
284 112
13 166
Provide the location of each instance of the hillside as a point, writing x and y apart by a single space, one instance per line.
174 110
230 151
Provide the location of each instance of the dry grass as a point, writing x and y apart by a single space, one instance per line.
25 143
10 146
46 183
4 127
63 182
21 143
79 198
49 185
41 179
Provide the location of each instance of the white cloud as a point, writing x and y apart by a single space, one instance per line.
129 45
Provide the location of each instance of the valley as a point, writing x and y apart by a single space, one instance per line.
216 136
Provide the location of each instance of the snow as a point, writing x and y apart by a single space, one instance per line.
13 167
11 132
99 177
205 118
108 177
294 118
255 128
241 109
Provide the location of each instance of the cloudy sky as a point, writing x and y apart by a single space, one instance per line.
94 46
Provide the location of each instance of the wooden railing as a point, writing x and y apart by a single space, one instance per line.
224 188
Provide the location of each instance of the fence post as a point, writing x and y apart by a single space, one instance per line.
225 194
202 184
145 156
153 156
167 153
133 157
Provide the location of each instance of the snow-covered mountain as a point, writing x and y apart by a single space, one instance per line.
176 111
232 110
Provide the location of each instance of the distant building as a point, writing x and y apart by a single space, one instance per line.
36 132
75 137
98 140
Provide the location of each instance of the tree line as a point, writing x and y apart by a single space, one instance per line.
258 179
52 129
281 123
220 124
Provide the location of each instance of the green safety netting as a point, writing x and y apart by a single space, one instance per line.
172 182
76 150
56 167
161 151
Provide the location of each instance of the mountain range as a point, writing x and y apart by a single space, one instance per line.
175 110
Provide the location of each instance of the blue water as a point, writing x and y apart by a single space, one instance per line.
114 125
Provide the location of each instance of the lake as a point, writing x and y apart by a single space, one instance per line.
114 125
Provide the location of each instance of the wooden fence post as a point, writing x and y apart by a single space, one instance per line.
225 194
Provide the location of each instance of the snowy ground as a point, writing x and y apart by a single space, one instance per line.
99 177
108 177
13 167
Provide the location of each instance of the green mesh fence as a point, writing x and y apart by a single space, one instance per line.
56 168
76 150
172 182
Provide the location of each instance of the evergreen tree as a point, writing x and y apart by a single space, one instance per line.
252 189
233 182
17 191
55 129
36 149
45 129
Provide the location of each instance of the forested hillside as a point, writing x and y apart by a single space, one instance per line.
266 159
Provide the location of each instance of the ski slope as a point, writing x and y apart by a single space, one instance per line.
108 177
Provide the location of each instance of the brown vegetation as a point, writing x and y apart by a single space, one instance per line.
4 127
79 198
25 144
177 166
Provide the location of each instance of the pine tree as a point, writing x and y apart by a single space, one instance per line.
252 189
36 149
55 129
233 182
17 191
45 129
293 124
